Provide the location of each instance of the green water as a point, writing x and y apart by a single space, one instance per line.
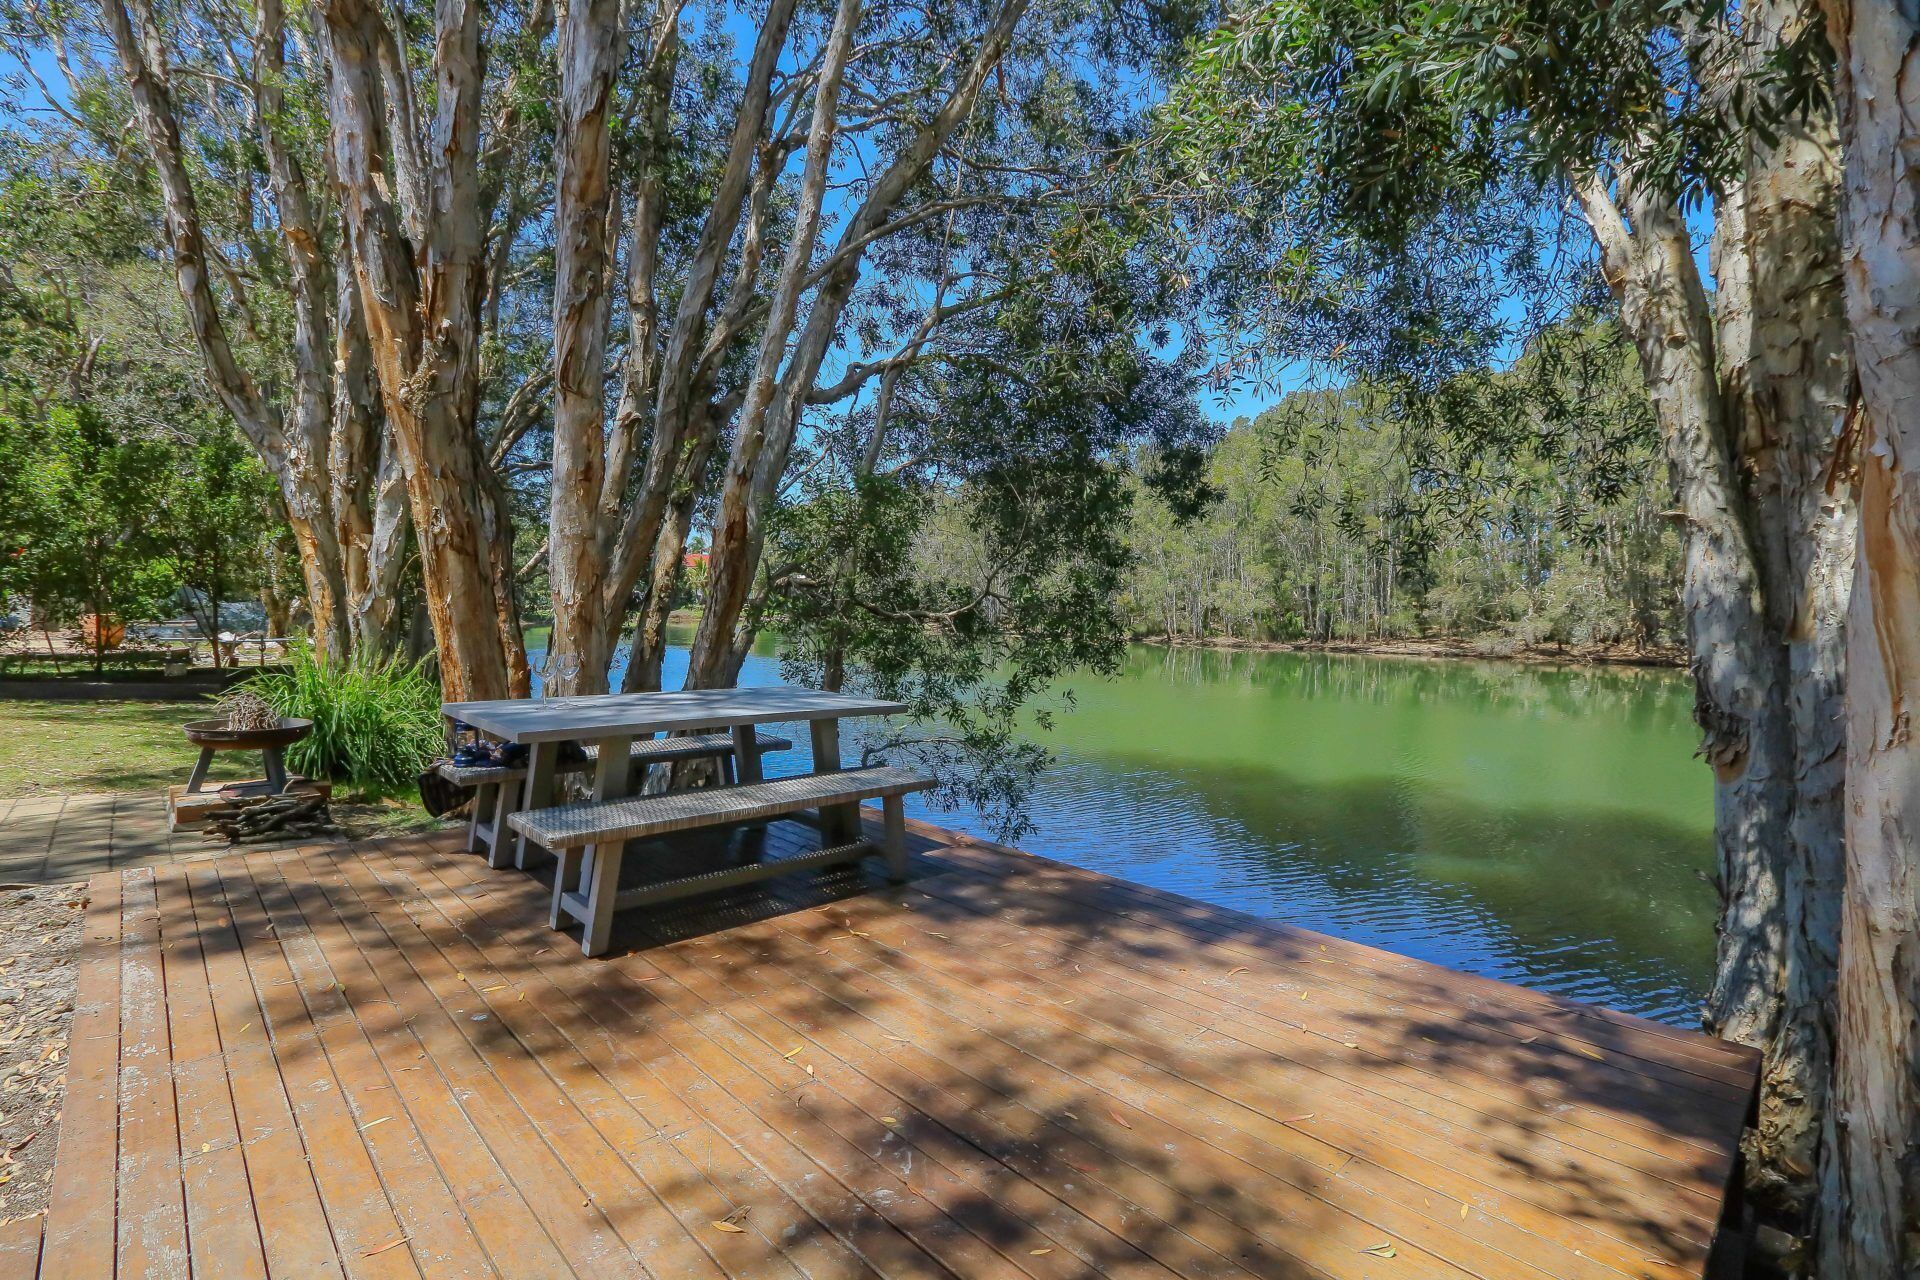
1549 827
1543 826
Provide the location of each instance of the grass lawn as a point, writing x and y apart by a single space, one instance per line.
79 746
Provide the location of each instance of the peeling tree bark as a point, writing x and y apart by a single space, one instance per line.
1738 673
1787 374
1870 1179
419 264
591 50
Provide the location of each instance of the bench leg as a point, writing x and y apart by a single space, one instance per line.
894 810
602 887
565 877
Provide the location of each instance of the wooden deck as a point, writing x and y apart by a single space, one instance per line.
375 1060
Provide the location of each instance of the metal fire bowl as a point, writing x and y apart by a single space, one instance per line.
217 735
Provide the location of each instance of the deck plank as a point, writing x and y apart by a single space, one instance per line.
376 1060
79 1239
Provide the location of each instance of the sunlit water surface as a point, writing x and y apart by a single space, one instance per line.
1542 826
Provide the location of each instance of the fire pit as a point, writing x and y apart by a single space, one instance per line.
218 735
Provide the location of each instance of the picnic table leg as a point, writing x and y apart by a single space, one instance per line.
600 877
506 801
539 790
476 809
839 823
746 754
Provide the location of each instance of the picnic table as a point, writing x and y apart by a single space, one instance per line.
609 724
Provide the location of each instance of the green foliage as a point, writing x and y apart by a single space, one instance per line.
85 540
376 722
218 514
1524 518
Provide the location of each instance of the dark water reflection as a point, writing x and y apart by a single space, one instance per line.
1548 827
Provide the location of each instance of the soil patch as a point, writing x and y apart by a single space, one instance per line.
40 930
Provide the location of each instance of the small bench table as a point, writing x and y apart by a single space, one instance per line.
610 722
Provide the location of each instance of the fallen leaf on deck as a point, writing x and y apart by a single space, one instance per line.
1119 1119
369 1124
1296 1119
1241 969
1384 1249
1038 1253
1465 1209
889 1119
723 1225
394 1243
789 1053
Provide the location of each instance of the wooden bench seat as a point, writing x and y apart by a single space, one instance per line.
495 796
602 828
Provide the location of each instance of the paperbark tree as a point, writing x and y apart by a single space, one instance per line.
412 205
1788 374
764 437
1750 382
1871 1175
295 441
591 47
741 352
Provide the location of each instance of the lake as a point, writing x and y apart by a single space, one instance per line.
1538 825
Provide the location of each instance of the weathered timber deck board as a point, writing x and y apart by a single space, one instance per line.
375 1059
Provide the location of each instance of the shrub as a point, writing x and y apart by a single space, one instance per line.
376 722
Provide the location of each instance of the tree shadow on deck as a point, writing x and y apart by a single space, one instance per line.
1008 1073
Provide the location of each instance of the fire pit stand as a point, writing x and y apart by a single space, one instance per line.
216 735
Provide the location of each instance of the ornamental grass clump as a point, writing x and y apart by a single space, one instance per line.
376 722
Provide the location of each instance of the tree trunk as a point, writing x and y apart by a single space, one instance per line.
369 484
590 51
1870 1179
676 410
1787 377
763 440
421 298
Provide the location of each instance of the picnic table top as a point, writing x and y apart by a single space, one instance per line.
619 715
